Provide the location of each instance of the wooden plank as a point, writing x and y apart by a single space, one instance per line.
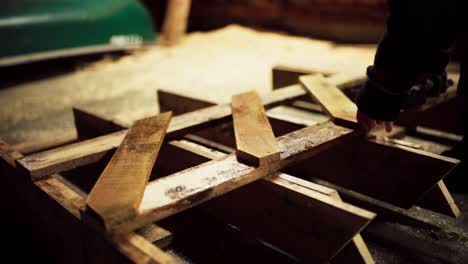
127 173
71 156
285 75
334 102
175 21
264 208
140 250
256 144
188 188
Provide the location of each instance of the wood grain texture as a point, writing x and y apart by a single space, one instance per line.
78 154
439 200
118 192
188 188
256 144
334 102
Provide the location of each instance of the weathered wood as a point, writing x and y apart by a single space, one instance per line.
188 188
175 22
119 190
156 234
256 144
264 207
89 151
336 104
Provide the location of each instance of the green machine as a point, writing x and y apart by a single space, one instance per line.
32 30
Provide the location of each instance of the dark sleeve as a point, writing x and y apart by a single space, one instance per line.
419 33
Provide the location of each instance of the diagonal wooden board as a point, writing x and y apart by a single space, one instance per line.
256 143
335 102
119 190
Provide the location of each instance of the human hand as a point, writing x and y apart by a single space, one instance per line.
367 123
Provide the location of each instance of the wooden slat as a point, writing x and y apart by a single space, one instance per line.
185 189
256 144
336 103
71 156
118 192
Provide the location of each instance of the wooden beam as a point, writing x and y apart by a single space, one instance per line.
71 156
439 200
118 192
188 188
336 103
175 21
256 144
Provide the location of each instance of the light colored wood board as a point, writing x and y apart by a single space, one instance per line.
118 192
179 104
378 169
175 21
334 102
141 251
156 234
71 156
188 188
264 207
296 116
255 142
9 154
439 200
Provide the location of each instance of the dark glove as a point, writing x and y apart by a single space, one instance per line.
433 86
378 100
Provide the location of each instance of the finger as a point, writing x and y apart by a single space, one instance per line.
363 125
389 126
379 122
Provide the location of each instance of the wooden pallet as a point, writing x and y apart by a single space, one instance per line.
195 171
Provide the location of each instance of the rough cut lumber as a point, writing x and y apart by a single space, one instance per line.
175 22
188 188
255 141
263 209
336 103
71 156
118 192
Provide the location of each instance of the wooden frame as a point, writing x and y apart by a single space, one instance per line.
227 182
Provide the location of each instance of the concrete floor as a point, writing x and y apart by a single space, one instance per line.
210 66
